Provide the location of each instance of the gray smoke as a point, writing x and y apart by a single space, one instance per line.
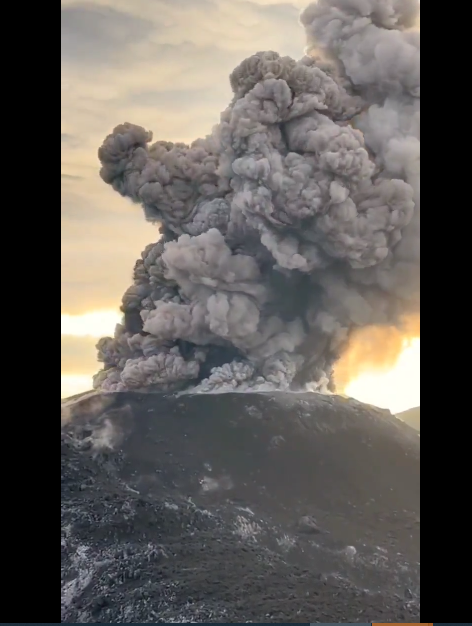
296 221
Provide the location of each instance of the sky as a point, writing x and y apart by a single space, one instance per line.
163 64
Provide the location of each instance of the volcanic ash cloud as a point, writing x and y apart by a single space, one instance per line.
294 224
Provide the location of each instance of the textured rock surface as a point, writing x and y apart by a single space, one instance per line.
238 508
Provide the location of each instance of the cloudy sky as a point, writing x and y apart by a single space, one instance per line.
163 64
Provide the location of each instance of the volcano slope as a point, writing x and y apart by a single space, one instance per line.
237 508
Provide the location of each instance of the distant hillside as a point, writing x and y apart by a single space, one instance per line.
411 417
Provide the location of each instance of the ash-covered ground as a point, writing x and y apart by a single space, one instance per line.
237 508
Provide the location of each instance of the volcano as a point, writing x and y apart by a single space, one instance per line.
237 507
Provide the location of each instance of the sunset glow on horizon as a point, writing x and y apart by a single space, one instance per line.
94 324
396 388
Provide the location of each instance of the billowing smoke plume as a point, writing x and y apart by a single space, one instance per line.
292 226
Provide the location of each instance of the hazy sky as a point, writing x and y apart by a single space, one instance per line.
163 64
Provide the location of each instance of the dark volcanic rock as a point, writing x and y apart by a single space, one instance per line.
189 509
